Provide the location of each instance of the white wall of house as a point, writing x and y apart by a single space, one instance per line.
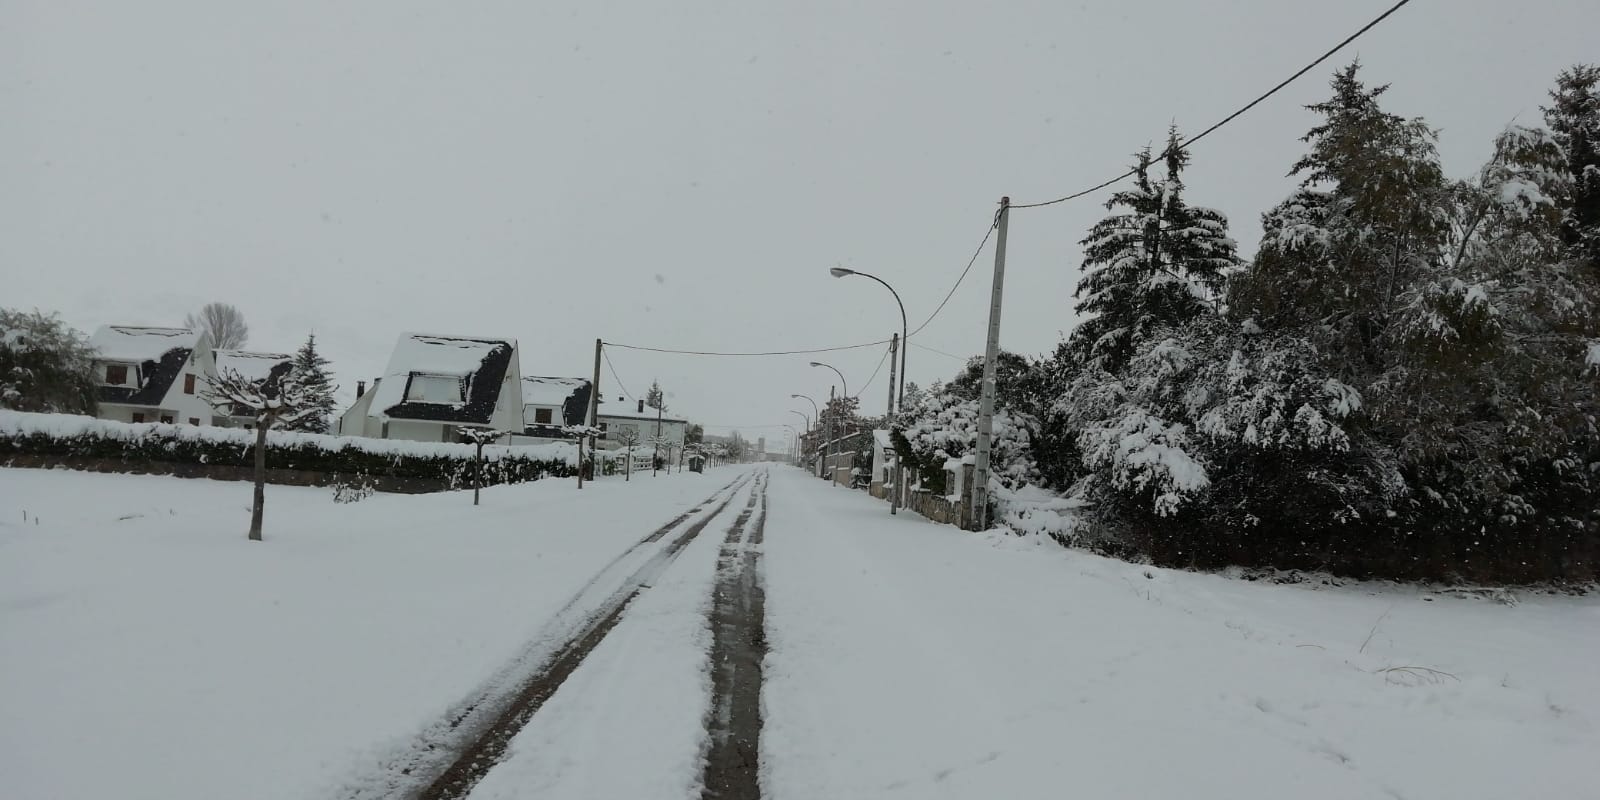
419 431
531 413
353 422
673 429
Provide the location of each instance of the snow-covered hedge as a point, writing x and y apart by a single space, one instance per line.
87 437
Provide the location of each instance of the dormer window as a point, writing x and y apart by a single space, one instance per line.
116 375
441 389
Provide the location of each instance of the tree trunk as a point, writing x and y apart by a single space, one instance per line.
477 475
261 480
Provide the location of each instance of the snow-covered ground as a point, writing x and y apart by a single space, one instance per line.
912 660
149 651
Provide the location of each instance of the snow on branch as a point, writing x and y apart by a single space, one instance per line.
480 435
276 399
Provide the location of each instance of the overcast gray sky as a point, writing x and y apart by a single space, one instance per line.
668 174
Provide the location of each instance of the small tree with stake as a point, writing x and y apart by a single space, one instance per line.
582 432
279 399
628 437
478 437
658 442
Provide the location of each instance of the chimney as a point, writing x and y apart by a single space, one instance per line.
641 406
361 389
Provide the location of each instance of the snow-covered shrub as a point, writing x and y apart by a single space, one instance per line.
86 437
939 425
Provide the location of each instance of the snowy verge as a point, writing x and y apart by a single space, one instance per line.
940 664
150 651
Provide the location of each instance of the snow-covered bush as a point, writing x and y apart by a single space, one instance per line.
939 425
86 437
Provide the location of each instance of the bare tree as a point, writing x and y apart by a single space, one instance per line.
279 399
628 437
479 437
223 323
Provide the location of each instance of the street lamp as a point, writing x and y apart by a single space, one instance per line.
900 392
842 384
814 408
833 477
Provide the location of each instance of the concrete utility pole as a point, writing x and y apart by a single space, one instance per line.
979 512
827 450
894 492
594 415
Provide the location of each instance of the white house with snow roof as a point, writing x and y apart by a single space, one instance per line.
437 384
152 374
548 404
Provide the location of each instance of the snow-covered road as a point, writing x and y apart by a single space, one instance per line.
149 651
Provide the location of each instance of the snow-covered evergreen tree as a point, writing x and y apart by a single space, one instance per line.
1370 217
655 397
1157 262
311 371
45 364
1574 117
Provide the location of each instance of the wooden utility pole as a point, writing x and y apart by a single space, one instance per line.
593 420
978 513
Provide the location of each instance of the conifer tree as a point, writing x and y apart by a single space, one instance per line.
1574 118
312 372
1368 221
1158 261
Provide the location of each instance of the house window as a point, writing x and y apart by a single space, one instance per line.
188 384
166 418
195 421
443 389
137 417
541 416
116 374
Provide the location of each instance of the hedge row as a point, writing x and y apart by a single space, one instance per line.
82 437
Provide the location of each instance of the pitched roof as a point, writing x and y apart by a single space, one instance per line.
480 361
253 366
159 352
648 415
138 344
571 394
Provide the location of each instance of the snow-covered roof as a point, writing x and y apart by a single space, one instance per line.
539 390
455 356
650 415
251 366
139 344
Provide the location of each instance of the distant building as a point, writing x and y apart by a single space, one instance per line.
644 422
436 384
549 404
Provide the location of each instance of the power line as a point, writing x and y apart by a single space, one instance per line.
940 352
763 353
986 234
613 368
874 377
1231 117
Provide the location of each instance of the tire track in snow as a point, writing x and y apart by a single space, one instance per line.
411 772
738 646
488 747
